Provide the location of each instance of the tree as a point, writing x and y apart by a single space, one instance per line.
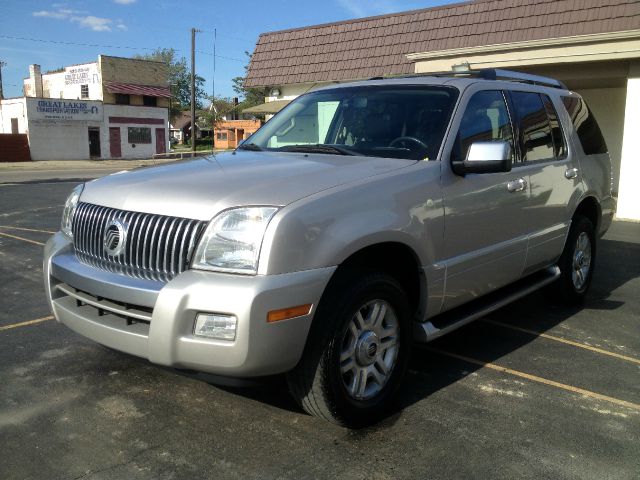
220 107
179 79
250 96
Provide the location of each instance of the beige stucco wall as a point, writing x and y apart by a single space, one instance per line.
575 49
289 92
608 105
130 70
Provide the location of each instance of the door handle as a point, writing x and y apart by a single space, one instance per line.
517 185
571 173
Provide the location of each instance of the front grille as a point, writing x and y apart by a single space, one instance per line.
157 247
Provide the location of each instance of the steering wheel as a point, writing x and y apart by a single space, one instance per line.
415 140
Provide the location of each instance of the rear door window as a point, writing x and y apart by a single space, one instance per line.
586 126
535 139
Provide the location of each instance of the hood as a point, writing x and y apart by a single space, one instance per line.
202 187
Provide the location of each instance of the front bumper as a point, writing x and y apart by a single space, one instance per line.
166 337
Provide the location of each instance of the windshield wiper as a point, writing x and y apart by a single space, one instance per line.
250 146
317 148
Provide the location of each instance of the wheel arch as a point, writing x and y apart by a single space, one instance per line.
395 259
590 208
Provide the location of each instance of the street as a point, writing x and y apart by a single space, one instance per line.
535 390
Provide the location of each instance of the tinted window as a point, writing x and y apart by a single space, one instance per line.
586 126
485 119
559 145
380 121
534 140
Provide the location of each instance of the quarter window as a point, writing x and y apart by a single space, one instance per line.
139 135
559 145
586 126
485 119
534 140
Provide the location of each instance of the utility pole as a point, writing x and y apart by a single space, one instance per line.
2 64
193 90
213 80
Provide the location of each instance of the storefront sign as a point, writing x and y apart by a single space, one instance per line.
64 110
81 75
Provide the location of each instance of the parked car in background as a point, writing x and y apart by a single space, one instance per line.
361 218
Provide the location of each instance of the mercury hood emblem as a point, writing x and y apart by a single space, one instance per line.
115 238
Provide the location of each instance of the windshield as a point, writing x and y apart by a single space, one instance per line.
406 122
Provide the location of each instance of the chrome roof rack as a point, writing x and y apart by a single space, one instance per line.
498 74
490 74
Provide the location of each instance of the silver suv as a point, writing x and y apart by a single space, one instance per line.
361 218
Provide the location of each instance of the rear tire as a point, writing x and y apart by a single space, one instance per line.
577 262
357 351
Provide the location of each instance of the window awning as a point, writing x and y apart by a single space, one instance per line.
269 107
133 89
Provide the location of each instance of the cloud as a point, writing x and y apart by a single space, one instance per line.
366 8
125 2
44 13
96 24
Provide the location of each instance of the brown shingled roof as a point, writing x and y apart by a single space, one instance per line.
374 46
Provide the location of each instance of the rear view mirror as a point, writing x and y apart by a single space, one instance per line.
485 157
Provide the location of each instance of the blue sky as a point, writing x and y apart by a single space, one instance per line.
129 27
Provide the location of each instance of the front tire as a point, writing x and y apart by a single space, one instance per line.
357 351
577 261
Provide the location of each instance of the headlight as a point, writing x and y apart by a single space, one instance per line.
232 240
69 209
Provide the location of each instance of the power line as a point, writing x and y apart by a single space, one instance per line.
60 42
220 56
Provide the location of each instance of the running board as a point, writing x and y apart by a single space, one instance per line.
464 314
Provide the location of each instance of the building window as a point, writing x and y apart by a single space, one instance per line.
14 126
221 136
122 99
84 91
139 135
148 101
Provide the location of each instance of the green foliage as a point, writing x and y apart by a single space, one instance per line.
222 107
179 79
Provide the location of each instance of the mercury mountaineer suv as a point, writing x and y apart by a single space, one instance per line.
361 218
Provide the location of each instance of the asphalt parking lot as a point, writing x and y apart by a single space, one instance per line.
535 390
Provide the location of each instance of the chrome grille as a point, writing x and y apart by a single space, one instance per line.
157 247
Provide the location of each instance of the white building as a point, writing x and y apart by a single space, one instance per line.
113 108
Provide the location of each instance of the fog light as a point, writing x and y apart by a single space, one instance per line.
215 325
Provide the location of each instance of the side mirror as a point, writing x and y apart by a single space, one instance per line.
485 157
